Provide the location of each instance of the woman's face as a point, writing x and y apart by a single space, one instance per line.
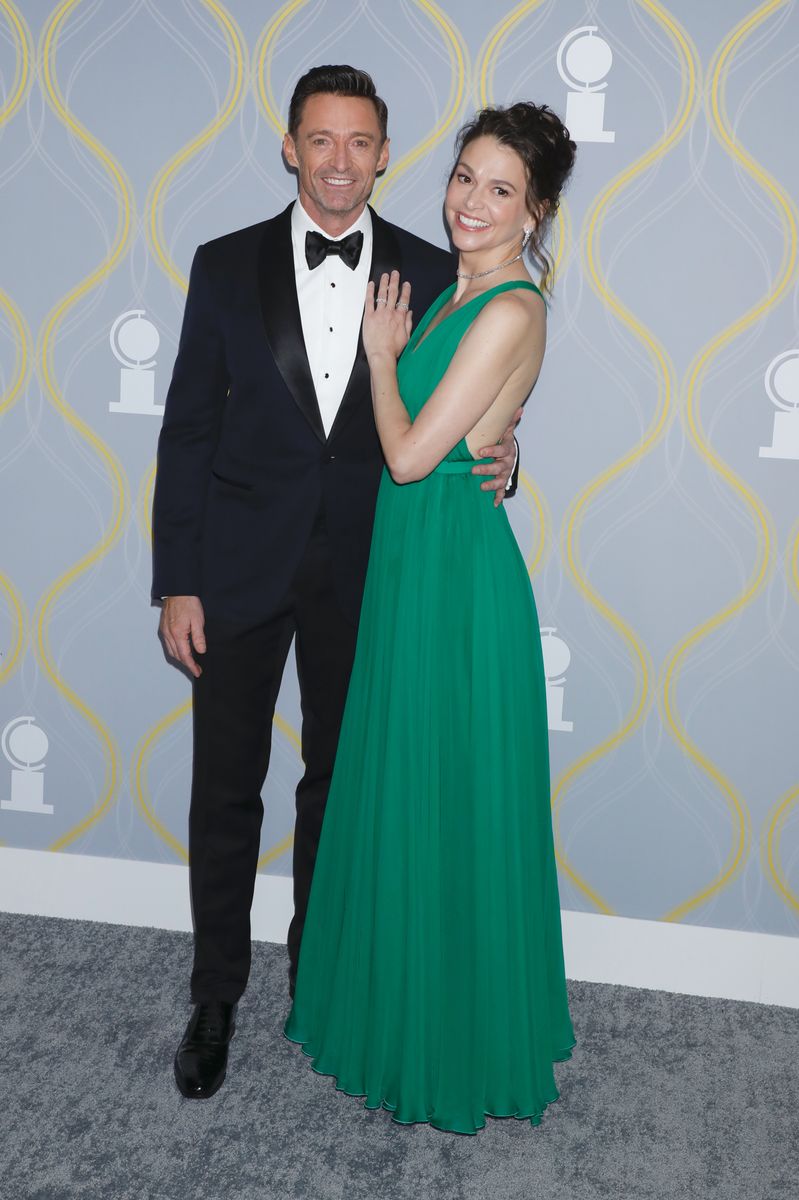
485 204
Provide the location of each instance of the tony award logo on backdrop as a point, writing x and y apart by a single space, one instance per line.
556 659
583 60
25 746
134 341
782 387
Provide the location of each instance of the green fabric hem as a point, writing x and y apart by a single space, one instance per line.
534 1118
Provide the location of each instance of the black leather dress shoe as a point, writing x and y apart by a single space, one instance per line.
201 1059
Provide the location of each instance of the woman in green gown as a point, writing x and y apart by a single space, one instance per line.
431 977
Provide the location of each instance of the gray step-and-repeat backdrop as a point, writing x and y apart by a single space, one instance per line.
660 450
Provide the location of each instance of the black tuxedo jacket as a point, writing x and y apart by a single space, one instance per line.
244 466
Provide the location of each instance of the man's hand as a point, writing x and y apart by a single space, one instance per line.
504 456
182 626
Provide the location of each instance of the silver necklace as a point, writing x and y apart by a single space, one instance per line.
491 270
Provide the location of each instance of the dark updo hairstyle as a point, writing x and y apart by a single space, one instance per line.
336 81
542 142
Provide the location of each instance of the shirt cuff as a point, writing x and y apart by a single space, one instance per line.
515 461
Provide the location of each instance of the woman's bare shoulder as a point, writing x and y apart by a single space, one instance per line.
510 317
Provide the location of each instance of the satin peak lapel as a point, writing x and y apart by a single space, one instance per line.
281 316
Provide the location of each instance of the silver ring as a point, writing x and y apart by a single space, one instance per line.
404 307
380 300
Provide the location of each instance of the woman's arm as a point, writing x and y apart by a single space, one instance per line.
496 347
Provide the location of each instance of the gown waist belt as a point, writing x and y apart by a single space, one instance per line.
458 468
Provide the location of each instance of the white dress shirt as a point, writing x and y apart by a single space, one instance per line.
331 299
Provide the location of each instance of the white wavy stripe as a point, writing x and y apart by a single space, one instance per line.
84 156
410 180
81 756
708 522
745 384
169 321
11 422
671 784
186 179
170 760
204 19
567 300
632 347
92 47
571 329
102 226
631 195
267 163
605 800
9 131
516 43
758 38
710 643
518 87
136 559
7 73
316 52
74 748
780 609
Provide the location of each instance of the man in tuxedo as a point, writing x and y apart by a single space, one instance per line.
268 469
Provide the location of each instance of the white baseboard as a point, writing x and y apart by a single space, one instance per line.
124 891
693 959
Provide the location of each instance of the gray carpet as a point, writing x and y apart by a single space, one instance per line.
666 1096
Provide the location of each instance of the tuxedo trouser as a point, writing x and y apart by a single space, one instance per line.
234 703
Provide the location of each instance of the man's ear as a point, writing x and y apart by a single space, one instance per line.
382 161
289 150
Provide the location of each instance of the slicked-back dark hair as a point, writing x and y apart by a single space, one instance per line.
336 81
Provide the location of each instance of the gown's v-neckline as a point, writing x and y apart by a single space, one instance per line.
427 328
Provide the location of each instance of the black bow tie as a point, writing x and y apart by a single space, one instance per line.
317 248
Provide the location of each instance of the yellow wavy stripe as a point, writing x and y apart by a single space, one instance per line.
689 71
459 65
22 68
19 378
541 516
775 828
17 606
144 503
138 777
484 71
22 336
23 352
277 851
792 563
486 67
263 56
230 106
47 337
720 125
141 793
492 49
487 60
155 204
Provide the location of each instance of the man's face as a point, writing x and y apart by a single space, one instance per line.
337 151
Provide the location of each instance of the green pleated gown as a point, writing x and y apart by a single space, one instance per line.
431 978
